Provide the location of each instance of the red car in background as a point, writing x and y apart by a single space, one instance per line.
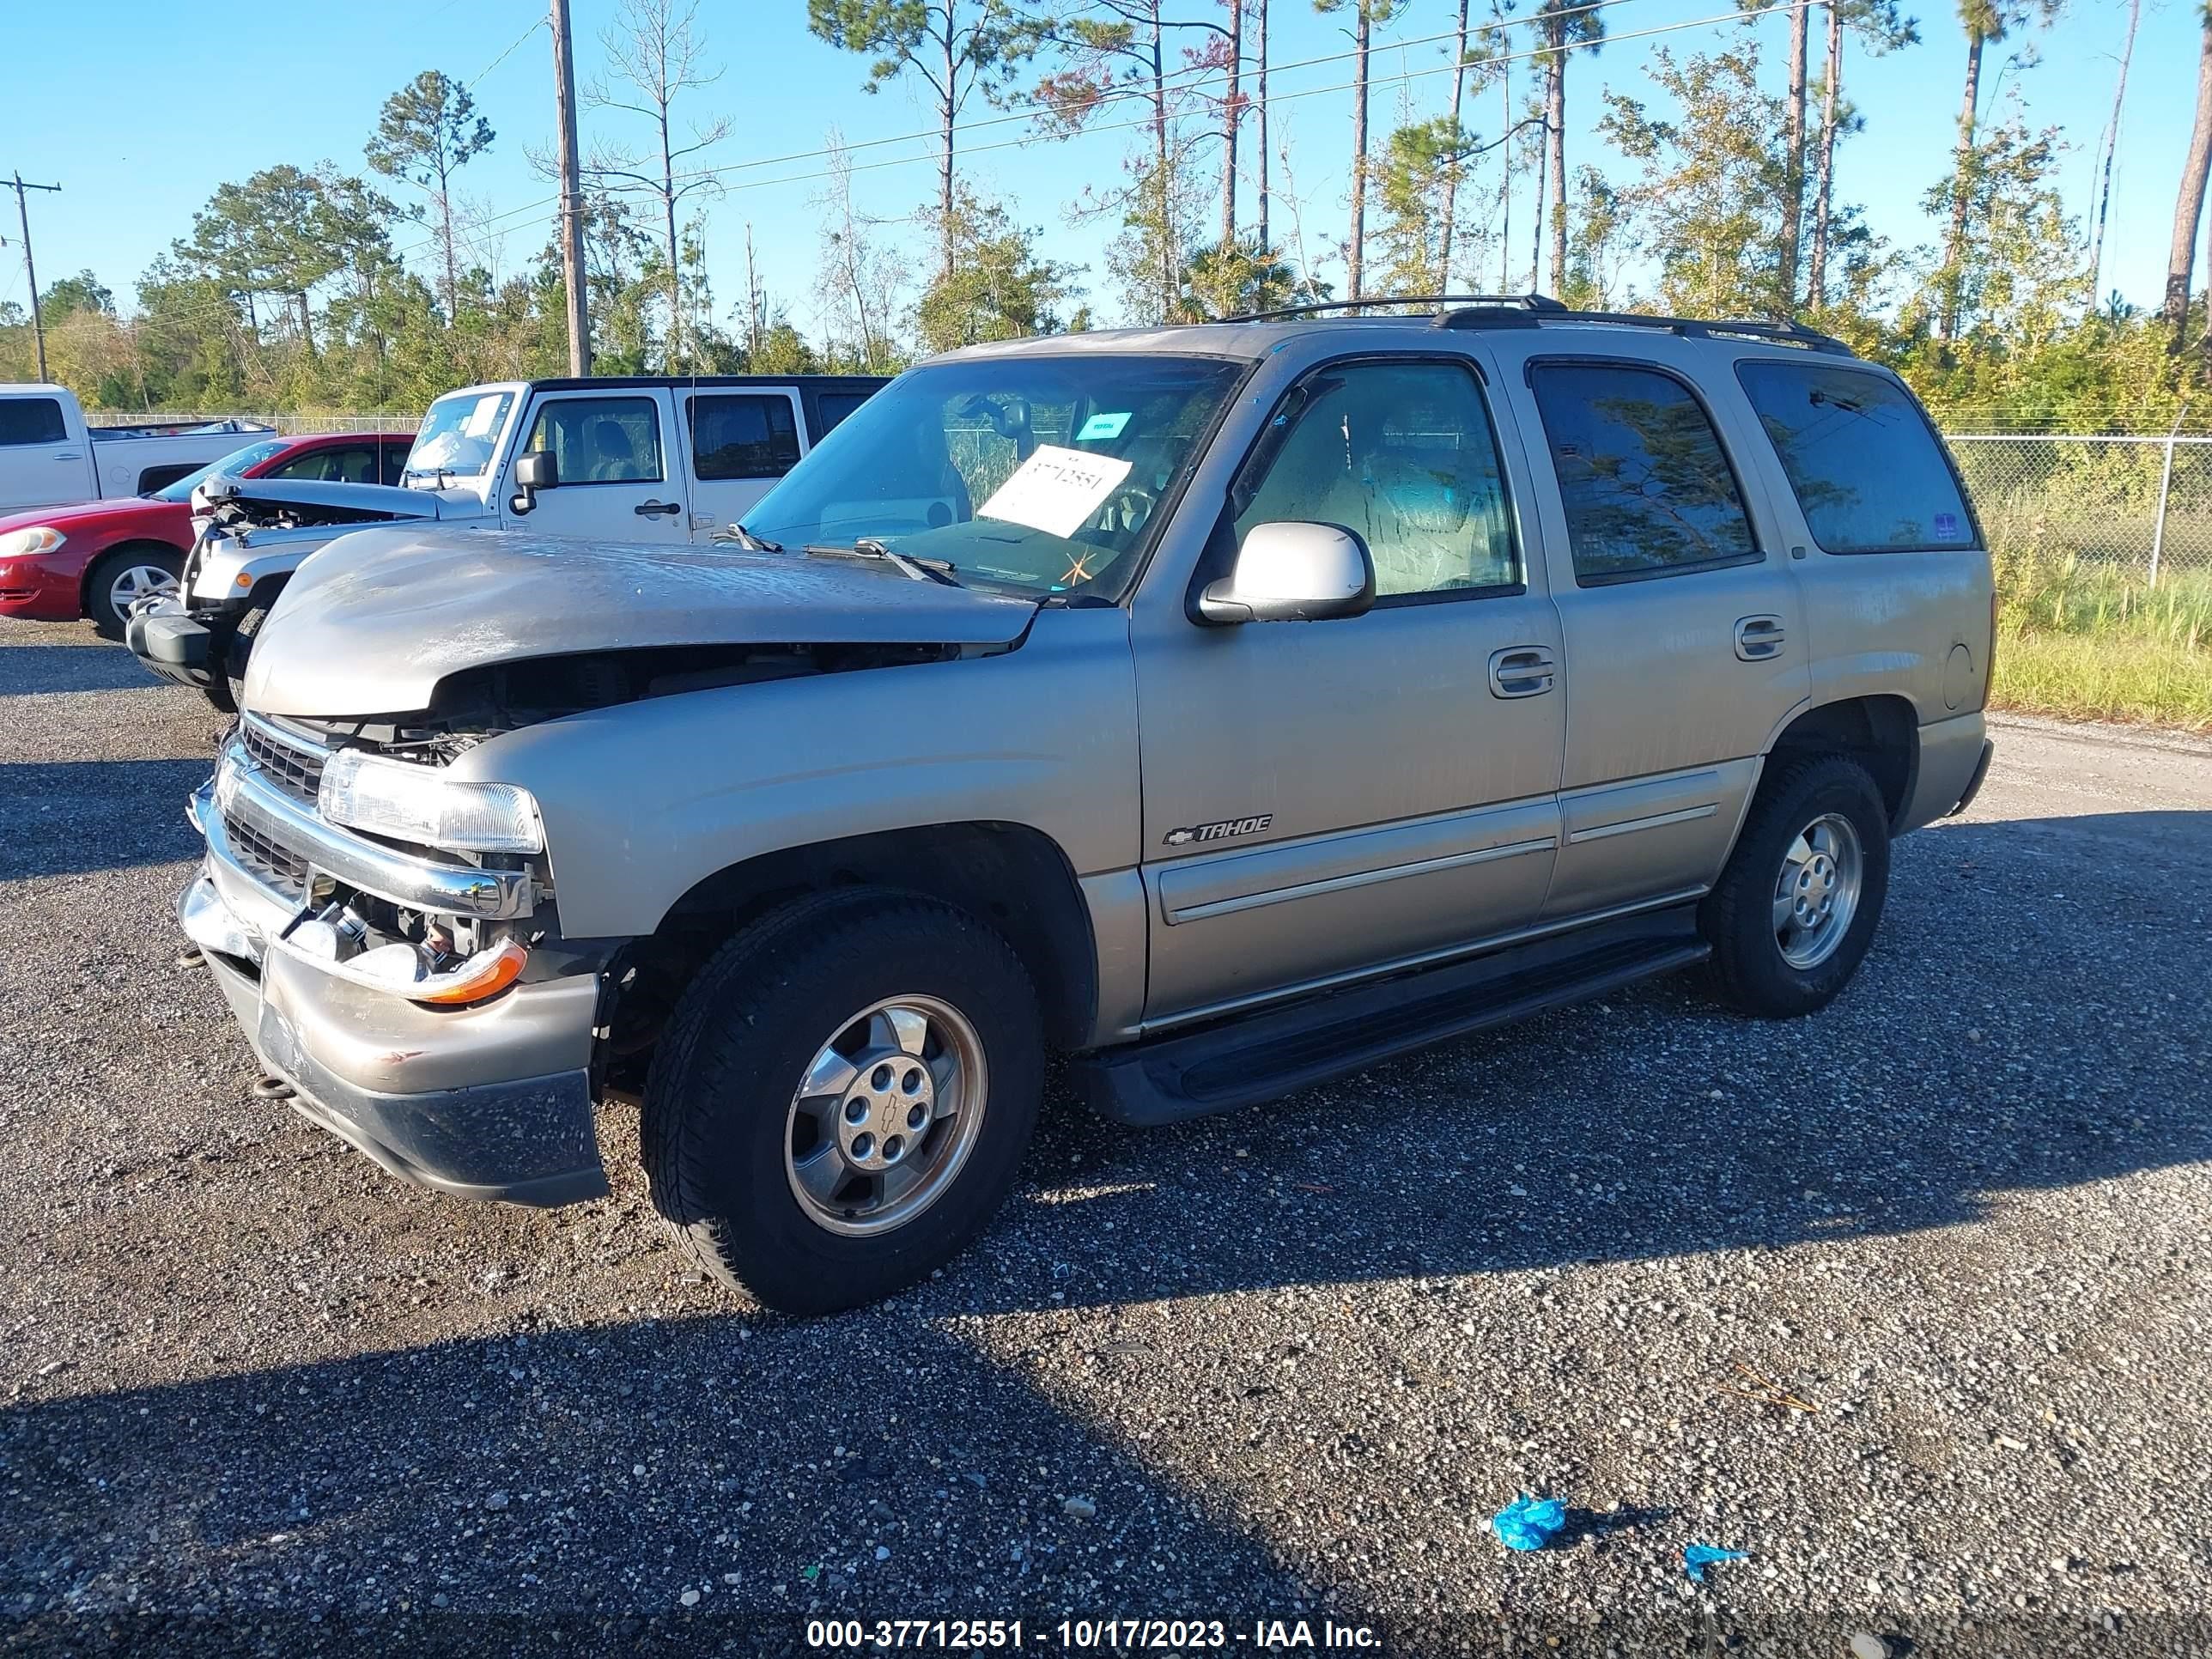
58 563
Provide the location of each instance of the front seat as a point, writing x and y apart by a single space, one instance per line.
613 460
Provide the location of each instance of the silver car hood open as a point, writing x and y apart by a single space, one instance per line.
308 494
375 620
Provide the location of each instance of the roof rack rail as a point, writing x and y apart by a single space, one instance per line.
1487 314
1524 302
1536 310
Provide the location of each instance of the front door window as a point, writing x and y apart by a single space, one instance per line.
1402 455
599 440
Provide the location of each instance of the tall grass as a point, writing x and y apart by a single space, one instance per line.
2087 640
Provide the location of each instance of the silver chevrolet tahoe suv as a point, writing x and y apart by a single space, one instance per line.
1223 709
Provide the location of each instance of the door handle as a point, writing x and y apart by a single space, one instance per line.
1522 670
1759 639
653 509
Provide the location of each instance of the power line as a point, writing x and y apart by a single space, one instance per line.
1782 8
1173 82
479 78
1305 92
1033 108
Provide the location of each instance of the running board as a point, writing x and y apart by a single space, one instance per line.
1264 1055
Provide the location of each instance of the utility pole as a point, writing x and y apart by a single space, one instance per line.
30 270
572 202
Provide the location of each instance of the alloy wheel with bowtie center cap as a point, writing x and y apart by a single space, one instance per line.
885 1115
1816 893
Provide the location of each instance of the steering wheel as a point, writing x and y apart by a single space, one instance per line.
1128 510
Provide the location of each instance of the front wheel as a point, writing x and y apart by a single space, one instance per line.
1792 916
123 578
843 1097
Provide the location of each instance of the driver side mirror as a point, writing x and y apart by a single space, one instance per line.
1292 572
533 472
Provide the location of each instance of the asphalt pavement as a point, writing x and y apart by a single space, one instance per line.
256 1394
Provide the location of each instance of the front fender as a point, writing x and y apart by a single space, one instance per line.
644 801
227 571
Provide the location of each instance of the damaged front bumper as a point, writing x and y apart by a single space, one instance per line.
175 644
492 1100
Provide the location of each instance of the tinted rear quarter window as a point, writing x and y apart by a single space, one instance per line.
1647 487
1867 469
31 421
750 436
835 406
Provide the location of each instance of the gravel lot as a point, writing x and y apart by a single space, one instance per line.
253 1392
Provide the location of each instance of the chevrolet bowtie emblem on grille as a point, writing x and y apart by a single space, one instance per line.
229 773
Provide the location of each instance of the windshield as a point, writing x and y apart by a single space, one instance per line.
460 434
1042 475
236 462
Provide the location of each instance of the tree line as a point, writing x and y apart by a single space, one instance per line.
1716 194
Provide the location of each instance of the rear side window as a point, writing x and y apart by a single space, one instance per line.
1647 487
751 436
835 406
31 421
153 479
334 464
1867 470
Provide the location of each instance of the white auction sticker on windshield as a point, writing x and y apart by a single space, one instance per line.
1055 490
484 416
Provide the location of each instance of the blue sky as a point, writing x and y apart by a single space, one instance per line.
142 107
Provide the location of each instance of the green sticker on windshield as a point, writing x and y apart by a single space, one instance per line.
1103 425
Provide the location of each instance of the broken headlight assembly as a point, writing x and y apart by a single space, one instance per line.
438 971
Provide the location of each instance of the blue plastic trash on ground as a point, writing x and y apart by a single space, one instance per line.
1696 1558
1528 1523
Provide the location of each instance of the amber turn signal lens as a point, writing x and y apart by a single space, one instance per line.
484 975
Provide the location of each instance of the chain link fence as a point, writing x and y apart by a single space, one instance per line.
287 426
2138 507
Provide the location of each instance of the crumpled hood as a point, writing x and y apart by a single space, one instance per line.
307 495
375 620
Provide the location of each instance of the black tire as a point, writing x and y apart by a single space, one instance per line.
105 618
715 1131
235 651
1737 917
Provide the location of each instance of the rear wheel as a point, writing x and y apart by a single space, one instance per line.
123 577
1792 916
843 1097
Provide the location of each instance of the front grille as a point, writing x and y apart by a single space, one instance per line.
269 859
292 767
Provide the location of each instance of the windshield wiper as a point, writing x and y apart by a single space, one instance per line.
736 535
868 547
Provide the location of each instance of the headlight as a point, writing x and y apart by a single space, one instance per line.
39 538
417 804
